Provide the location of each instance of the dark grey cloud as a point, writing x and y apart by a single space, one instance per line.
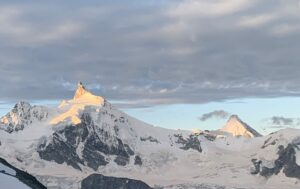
150 52
280 122
220 114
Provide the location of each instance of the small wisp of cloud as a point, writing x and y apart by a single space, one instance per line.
220 114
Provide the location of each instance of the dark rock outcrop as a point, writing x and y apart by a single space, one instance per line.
192 142
121 160
24 177
209 136
95 142
97 181
268 142
138 160
150 139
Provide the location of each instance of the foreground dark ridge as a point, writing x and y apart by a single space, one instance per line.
24 177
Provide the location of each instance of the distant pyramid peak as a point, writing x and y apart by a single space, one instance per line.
234 117
237 127
80 91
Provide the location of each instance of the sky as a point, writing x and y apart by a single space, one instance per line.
173 63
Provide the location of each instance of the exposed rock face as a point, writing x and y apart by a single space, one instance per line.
63 150
138 160
97 181
192 142
209 136
22 176
85 144
22 115
121 160
150 139
237 127
286 162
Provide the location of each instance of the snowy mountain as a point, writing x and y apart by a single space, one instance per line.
88 143
285 147
22 115
237 127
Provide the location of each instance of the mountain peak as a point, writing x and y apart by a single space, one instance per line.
234 117
237 127
73 107
80 91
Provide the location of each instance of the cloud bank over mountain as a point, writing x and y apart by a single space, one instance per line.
150 52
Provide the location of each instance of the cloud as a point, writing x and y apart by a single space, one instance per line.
221 114
206 7
280 122
23 33
163 52
257 20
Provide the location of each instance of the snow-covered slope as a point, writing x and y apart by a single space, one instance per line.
237 127
72 108
88 136
278 155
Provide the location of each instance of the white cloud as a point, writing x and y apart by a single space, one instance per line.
23 32
257 20
191 8
58 32
8 21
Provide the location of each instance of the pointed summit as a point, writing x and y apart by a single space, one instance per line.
81 99
237 127
80 91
